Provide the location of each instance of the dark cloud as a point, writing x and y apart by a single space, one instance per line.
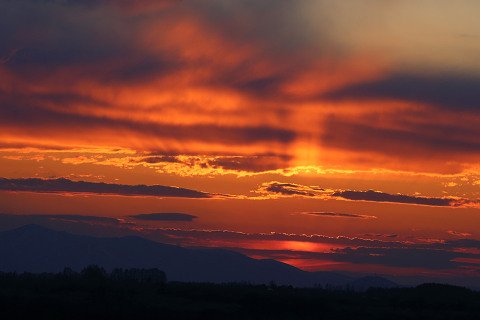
24 114
272 23
250 163
377 196
50 34
256 163
338 215
60 99
68 186
290 189
37 37
164 216
39 146
160 159
455 92
404 138
143 69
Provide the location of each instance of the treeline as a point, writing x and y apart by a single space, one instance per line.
93 273
94 293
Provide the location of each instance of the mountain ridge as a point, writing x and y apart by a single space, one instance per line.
34 248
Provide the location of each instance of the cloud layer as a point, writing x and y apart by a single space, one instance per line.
454 92
282 189
62 185
196 77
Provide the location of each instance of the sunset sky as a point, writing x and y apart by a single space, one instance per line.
330 135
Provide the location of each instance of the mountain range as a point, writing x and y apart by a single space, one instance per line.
36 249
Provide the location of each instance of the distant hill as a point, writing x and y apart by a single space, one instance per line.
33 248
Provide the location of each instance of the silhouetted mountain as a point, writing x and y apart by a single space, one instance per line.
33 248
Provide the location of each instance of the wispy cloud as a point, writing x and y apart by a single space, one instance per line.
337 215
377 196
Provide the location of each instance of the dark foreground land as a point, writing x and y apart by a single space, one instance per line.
93 294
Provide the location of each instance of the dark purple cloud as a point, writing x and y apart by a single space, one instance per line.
62 185
377 196
450 91
290 189
254 163
96 32
25 113
160 159
338 215
251 163
405 138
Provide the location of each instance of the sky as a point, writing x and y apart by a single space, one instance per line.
330 135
